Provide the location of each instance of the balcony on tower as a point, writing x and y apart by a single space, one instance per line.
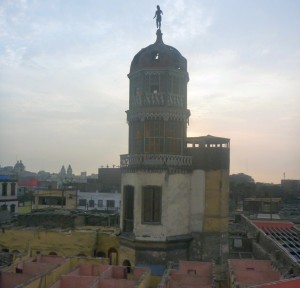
155 161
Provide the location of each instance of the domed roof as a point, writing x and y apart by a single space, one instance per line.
158 55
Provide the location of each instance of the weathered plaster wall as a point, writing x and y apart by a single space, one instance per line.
177 188
175 204
65 243
69 195
127 253
216 201
197 200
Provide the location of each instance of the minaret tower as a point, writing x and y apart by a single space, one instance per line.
155 172
174 188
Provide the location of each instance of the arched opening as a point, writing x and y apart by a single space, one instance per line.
19 270
127 264
53 253
113 256
5 250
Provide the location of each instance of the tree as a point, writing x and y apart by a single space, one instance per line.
241 186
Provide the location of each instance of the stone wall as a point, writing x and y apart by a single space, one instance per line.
88 241
53 218
208 247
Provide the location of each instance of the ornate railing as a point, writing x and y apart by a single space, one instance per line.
155 160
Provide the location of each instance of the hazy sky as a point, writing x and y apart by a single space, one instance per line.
64 86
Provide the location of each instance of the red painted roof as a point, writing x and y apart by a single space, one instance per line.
250 264
30 183
190 274
273 224
252 272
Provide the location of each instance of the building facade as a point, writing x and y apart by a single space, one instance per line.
8 193
99 201
174 188
66 199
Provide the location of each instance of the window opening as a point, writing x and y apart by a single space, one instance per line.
52 200
155 55
82 202
13 189
4 189
152 198
153 84
110 204
154 89
154 137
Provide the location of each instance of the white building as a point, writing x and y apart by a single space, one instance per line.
8 193
99 201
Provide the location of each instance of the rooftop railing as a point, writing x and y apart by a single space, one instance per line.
155 160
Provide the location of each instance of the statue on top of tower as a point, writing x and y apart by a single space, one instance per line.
158 13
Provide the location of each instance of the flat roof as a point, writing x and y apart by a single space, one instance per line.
209 139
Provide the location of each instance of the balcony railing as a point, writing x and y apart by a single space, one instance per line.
155 161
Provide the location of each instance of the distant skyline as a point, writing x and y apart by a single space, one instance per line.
64 86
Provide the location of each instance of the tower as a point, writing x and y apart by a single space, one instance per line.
172 186
154 173
69 172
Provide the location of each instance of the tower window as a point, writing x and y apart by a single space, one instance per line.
152 84
136 132
154 89
155 55
154 137
152 198
137 91
174 135
176 85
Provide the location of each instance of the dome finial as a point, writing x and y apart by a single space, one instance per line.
159 36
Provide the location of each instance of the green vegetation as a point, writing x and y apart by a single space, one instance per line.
26 208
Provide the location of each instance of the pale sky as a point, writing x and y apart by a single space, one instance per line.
64 86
